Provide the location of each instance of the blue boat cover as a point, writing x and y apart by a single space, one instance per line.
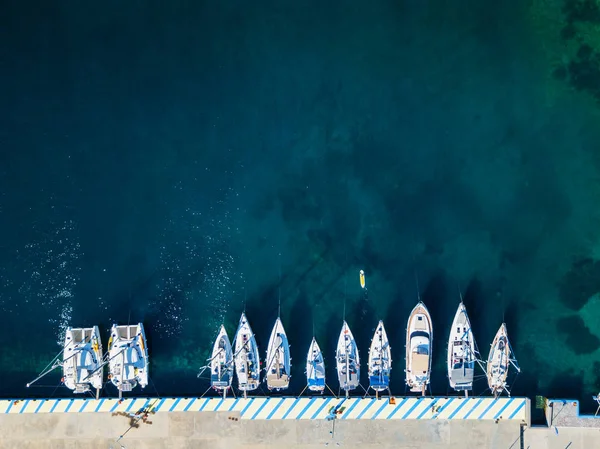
377 381
316 382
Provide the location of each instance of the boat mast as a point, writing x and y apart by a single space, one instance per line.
347 370
278 365
221 374
247 368
346 346
219 367
380 360
467 348
279 321
247 373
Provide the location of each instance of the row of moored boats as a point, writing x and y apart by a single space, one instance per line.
463 356
82 359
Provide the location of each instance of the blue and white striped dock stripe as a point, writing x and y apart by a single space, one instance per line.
305 408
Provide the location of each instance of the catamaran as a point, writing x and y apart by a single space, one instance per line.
82 360
128 357
419 340
347 360
380 360
247 361
498 362
278 359
221 363
462 354
315 368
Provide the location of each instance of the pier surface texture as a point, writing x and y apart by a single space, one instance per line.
256 423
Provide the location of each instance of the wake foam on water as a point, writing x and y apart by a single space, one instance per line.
197 269
51 269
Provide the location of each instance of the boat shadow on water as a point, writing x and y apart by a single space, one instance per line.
364 320
441 299
329 345
300 335
396 335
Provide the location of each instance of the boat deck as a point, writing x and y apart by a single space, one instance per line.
289 408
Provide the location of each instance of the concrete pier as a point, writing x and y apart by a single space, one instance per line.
71 428
292 408
224 430
565 413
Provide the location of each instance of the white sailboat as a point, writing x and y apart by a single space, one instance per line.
278 360
499 360
462 354
315 368
221 363
128 357
347 360
246 358
419 342
82 359
380 360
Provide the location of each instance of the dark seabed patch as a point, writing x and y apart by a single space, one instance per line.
580 283
581 69
578 336
567 384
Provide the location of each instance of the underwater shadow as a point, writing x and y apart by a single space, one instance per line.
527 382
300 332
580 283
364 322
328 343
395 322
442 313
511 319
579 337
474 301
566 385
260 322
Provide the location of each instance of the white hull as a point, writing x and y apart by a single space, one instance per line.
278 362
221 362
128 355
461 352
380 360
419 341
247 361
498 361
82 359
347 360
315 368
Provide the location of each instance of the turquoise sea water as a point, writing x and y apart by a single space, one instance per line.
163 163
